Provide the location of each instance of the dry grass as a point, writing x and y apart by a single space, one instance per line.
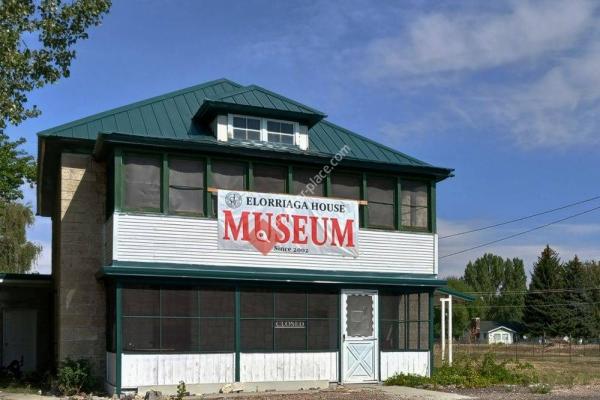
556 365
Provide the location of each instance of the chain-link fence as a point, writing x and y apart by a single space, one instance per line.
558 350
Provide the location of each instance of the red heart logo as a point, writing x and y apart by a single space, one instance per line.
263 237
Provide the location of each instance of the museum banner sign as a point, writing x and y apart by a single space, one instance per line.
279 223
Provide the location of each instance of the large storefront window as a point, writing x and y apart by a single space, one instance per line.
178 319
289 320
404 321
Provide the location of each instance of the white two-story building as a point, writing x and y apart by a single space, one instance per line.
225 233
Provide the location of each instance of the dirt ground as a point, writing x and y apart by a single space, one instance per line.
523 393
497 393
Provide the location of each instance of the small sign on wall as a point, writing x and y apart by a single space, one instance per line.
288 324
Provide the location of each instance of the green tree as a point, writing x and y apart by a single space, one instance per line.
500 284
544 313
37 40
16 169
36 48
16 253
592 271
577 296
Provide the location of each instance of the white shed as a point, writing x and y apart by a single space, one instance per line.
501 334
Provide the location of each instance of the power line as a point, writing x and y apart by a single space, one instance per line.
536 291
521 218
525 306
522 233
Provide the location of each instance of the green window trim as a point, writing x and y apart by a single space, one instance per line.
208 212
423 341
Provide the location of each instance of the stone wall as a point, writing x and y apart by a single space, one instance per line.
78 245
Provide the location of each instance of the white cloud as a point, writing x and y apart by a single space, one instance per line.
561 108
530 71
443 43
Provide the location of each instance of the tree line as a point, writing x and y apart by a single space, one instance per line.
562 298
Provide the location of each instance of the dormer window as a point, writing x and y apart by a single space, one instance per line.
280 132
242 127
245 128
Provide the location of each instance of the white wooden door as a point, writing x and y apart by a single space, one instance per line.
20 338
360 361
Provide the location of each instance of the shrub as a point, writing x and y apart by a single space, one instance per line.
74 376
181 390
471 373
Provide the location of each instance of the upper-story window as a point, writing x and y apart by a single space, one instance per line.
270 178
415 204
381 195
230 175
141 174
243 127
246 128
186 185
182 184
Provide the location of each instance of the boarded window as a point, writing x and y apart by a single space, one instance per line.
270 178
380 194
308 182
227 175
141 182
346 186
415 205
186 186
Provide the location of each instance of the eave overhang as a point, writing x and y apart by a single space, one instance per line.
107 140
211 108
128 270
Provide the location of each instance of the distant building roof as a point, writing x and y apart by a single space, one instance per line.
488 326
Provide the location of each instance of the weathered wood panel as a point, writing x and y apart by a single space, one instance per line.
280 367
169 369
409 362
185 240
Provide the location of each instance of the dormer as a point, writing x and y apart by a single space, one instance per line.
254 114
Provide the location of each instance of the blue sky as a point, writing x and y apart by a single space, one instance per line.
507 93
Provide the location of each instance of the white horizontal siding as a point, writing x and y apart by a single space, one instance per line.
284 367
183 240
408 362
169 369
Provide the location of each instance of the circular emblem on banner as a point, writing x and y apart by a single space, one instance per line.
233 200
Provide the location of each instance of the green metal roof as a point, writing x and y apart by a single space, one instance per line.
171 116
455 293
286 275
